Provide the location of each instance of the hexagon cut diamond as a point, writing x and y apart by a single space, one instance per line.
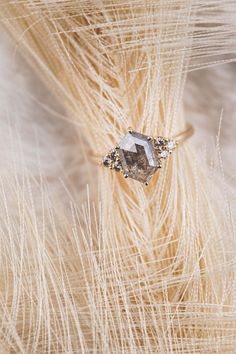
137 157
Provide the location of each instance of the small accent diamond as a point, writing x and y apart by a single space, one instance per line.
107 161
117 166
160 141
164 154
171 145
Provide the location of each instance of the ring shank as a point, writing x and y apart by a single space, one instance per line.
185 134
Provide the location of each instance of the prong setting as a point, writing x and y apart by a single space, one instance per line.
139 156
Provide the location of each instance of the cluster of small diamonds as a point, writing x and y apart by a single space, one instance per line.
163 147
112 160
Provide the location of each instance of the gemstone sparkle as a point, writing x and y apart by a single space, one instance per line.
137 156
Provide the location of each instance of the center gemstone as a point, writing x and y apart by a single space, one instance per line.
137 157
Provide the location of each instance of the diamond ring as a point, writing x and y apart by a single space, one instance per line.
139 156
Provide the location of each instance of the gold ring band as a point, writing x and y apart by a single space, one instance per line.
185 134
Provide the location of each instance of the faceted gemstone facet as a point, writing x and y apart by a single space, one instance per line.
137 157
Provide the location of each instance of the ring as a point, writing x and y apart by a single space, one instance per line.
139 156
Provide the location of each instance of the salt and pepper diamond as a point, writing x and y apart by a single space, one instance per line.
139 156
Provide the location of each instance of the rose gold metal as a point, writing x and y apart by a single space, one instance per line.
185 134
